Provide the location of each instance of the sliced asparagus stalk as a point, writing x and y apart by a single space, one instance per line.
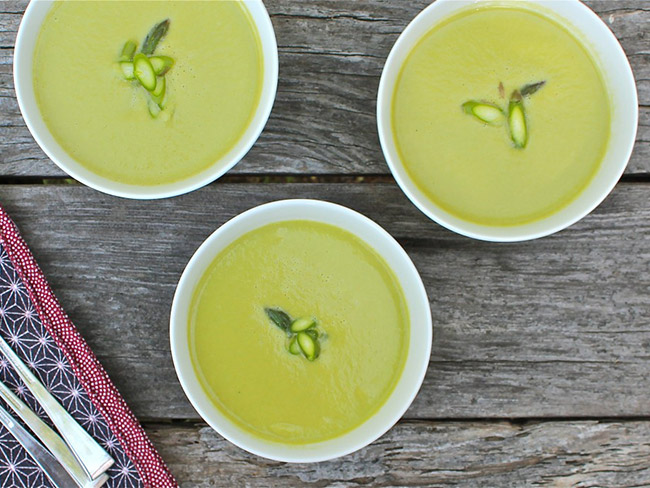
309 346
154 108
144 72
154 37
279 318
517 120
161 64
532 88
158 94
128 51
294 347
301 324
127 70
485 112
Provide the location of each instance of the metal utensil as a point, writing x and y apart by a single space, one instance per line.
51 440
48 463
90 454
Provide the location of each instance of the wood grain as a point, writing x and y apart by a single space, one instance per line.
331 56
431 454
557 327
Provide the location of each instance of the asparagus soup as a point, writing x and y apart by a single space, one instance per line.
298 331
500 114
148 92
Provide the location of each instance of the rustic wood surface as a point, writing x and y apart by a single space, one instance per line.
431 454
331 56
556 328
540 369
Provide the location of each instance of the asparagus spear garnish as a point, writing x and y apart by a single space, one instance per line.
279 317
531 88
154 37
147 69
517 120
515 112
485 112
302 336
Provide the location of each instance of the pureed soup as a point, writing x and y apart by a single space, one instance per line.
298 331
500 115
143 112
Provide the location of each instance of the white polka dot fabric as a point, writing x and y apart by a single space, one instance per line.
37 328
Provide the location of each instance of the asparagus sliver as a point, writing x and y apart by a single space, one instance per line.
158 94
161 64
299 325
144 72
517 121
154 37
154 108
308 345
279 317
532 88
485 112
128 51
294 347
127 70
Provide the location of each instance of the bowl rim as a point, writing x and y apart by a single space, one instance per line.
27 35
420 336
483 232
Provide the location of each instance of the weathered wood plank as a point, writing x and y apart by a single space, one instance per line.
331 56
468 454
551 328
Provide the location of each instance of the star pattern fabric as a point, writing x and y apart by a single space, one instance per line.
21 327
33 323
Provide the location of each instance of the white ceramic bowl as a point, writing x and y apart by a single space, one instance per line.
23 60
419 343
618 75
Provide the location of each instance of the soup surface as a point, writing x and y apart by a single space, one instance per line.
307 269
471 168
102 120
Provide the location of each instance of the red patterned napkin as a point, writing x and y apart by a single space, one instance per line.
34 324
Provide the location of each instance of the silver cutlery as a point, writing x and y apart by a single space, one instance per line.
90 454
51 440
48 463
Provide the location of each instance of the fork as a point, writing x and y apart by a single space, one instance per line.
90 454
51 440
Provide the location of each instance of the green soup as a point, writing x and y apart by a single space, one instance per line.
470 168
102 120
242 358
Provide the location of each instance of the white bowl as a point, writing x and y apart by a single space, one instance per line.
28 32
419 343
587 26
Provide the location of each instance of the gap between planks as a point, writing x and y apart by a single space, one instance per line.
248 178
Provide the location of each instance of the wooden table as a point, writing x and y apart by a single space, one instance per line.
540 370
